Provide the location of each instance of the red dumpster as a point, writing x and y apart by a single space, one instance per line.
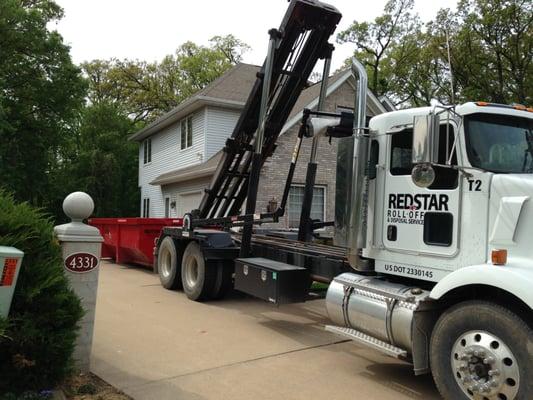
131 240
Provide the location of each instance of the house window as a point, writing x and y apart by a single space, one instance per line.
146 208
296 196
147 150
186 132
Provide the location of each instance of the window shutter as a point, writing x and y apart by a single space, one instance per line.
189 132
183 135
145 153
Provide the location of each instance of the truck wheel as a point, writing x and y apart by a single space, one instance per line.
167 264
224 279
197 277
482 351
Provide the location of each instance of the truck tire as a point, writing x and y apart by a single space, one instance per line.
224 279
197 277
481 350
167 264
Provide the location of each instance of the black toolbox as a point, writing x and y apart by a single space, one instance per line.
273 281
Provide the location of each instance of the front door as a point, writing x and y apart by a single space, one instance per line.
420 220
167 207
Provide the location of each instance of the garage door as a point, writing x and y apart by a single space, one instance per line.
188 201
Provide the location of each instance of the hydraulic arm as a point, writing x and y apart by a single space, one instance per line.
295 47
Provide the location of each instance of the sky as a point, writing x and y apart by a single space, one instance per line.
150 30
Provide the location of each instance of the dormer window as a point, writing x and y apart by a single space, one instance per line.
186 132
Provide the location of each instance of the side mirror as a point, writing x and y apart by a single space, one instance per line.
423 175
426 139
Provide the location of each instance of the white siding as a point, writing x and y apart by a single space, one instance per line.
168 156
193 187
219 126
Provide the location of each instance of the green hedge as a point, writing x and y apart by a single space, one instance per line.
37 343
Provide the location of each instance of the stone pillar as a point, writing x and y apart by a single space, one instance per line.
81 245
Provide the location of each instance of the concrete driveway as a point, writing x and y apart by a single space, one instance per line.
156 344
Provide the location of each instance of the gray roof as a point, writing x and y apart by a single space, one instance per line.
230 90
234 85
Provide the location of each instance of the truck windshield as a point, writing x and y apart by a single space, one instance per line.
500 143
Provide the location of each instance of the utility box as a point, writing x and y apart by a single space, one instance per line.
10 261
273 281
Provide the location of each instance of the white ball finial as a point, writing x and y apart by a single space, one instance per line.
78 206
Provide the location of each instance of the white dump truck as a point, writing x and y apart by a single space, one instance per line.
432 259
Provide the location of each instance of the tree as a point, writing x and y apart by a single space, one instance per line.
492 49
145 90
374 40
491 46
51 142
41 93
417 70
231 47
102 162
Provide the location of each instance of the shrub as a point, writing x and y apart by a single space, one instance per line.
37 344
87 388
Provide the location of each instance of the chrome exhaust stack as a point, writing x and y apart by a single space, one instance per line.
351 197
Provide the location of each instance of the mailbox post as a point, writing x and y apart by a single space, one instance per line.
80 245
10 260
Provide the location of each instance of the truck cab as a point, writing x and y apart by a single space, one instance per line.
478 202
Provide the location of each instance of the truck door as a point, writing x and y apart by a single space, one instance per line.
420 220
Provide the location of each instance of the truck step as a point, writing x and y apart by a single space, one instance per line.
368 341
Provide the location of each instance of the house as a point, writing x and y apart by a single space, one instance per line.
179 152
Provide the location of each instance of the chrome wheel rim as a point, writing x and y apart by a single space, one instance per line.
166 263
484 367
191 271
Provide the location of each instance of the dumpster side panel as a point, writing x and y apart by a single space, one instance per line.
131 240
109 230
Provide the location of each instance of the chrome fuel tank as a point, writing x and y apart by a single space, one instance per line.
381 309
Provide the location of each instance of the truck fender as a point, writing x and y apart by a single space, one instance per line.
513 278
